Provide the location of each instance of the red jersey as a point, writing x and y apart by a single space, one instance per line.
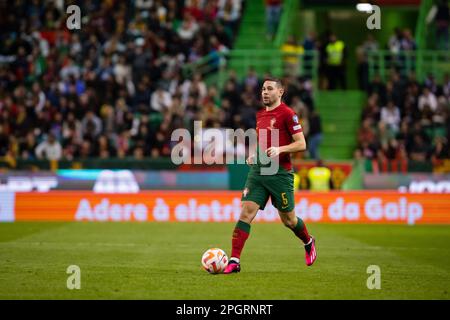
286 121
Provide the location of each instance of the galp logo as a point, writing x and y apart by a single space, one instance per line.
374 20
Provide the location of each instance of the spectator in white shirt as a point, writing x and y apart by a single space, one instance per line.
144 4
188 28
390 114
161 100
229 11
427 98
122 71
395 41
70 69
196 85
49 149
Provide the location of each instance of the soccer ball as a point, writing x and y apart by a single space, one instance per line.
214 260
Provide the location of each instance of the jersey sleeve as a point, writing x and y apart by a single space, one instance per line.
292 123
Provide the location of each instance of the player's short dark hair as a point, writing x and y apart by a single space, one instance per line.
278 81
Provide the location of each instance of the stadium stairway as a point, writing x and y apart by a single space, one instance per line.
252 31
340 112
252 35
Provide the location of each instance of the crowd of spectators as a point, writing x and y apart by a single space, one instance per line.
405 119
400 44
115 87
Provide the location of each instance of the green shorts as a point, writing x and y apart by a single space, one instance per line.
279 187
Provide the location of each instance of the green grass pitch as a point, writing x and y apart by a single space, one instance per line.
162 261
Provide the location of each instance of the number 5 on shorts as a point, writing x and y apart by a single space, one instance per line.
285 200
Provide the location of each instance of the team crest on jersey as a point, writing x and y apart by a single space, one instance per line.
245 192
272 123
295 119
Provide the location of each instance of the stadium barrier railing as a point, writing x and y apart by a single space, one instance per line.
420 62
406 166
272 61
161 163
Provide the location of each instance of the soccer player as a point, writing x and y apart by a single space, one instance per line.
279 187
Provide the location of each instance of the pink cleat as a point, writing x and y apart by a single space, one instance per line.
310 252
232 267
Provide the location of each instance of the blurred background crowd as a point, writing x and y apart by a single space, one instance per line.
116 87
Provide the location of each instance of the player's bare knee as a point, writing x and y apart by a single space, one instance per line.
248 212
289 223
